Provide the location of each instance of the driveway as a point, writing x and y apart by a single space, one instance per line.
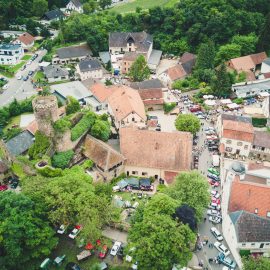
166 121
115 234
20 89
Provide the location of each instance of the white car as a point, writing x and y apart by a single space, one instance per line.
212 212
115 248
214 206
19 77
216 233
62 229
74 233
220 247
214 219
30 62
217 195
214 192
5 87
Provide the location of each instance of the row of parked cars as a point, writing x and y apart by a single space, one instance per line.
212 140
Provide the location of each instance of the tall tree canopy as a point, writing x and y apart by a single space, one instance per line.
187 122
25 235
158 239
259 263
139 71
190 188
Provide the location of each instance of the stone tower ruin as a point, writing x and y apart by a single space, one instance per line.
46 113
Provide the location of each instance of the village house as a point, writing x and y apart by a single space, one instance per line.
89 69
236 135
26 40
248 64
249 89
53 15
108 162
261 146
10 34
157 154
71 54
55 73
128 59
180 70
151 92
126 107
10 54
74 6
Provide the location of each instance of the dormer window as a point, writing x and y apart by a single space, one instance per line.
256 211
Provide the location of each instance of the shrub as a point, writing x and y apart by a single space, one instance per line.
38 149
72 106
61 125
84 124
11 133
62 159
101 130
48 171
88 164
169 106
238 100
259 122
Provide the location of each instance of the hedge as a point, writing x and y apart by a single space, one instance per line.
259 122
83 125
41 144
61 125
169 106
49 171
62 159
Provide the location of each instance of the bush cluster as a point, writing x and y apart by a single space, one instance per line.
38 149
62 159
259 122
84 124
169 106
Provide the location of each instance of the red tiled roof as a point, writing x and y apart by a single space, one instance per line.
26 38
153 102
266 75
186 57
249 196
102 92
176 73
32 127
169 176
238 131
258 58
151 94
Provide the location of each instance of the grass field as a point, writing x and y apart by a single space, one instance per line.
26 57
144 4
10 70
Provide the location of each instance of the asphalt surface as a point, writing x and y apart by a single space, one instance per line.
20 89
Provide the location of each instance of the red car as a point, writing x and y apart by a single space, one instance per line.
3 187
195 109
103 252
213 182
215 200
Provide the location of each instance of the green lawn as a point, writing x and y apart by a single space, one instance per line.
26 57
14 121
39 76
144 4
10 70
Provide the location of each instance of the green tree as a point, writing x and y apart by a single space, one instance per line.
73 105
259 263
24 232
264 38
227 52
12 133
101 130
105 3
14 108
187 122
248 43
221 83
206 56
39 7
89 7
158 239
71 199
191 188
62 159
40 146
139 70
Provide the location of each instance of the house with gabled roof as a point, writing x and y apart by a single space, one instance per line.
126 107
26 40
155 154
108 162
74 6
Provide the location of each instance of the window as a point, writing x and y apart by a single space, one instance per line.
262 245
133 119
129 43
228 149
228 141
144 173
134 172
129 49
253 244
253 146
267 244
239 143
243 245
121 49
256 211
268 214
263 148
246 147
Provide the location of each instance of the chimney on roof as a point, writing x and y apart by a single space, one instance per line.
156 146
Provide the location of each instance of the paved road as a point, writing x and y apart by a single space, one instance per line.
20 89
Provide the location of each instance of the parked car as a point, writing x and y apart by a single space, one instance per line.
62 229
220 247
195 108
226 261
115 248
5 87
19 77
75 232
213 171
103 252
213 176
212 212
3 187
215 200
216 233
213 182
214 219
30 73
214 206
72 266
25 78
213 192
